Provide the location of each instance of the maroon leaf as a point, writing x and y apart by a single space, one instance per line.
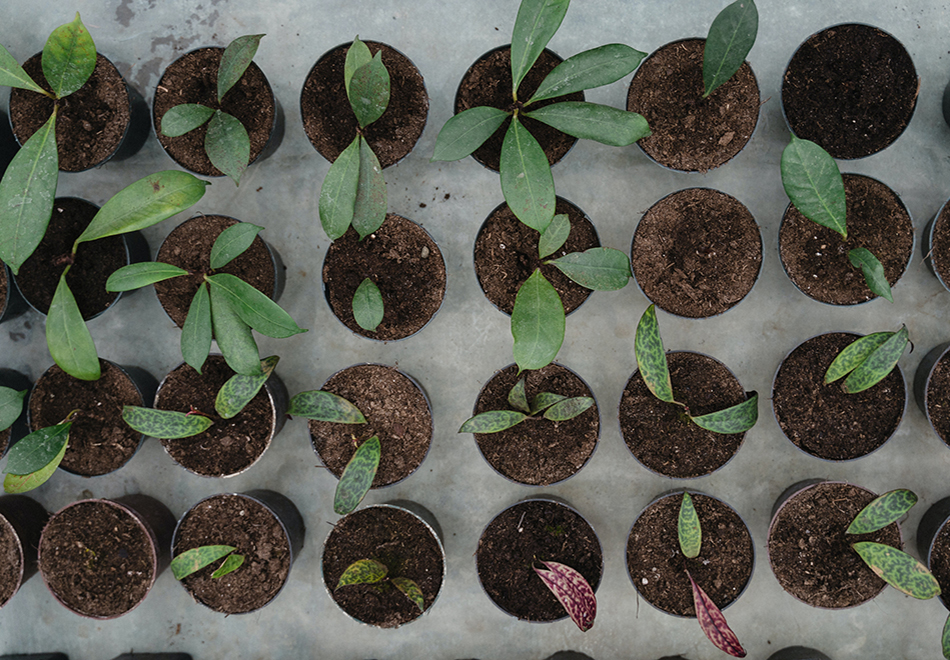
572 591
714 623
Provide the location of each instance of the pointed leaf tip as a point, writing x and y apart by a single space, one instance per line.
572 591
688 528
651 357
713 623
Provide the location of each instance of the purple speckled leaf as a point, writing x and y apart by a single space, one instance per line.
714 623
572 591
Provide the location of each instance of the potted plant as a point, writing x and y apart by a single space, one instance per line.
21 522
13 390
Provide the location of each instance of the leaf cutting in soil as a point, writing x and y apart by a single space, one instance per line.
550 406
195 559
371 571
868 360
571 590
34 459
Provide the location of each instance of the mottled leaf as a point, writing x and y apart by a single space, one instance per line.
688 529
544 400
411 591
599 268
253 307
195 559
235 60
492 421
898 569
369 91
69 58
517 397
13 75
878 364
730 39
536 23
592 68
363 571
228 145
593 121
238 391
714 623
67 337
357 477
197 332
945 639
325 407
813 182
572 591
651 358
369 209
164 424
854 354
357 55
14 483
882 511
11 404
368 305
526 180
36 450
338 192
568 408
135 276
873 271
231 564
184 118
466 132
233 335
537 323
233 242
735 419
554 236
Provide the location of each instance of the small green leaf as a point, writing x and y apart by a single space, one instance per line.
878 364
232 242
357 55
196 333
537 323
233 334
735 419
228 145
36 450
543 401
238 391
135 276
231 564
882 511
854 354
536 23
730 39
592 121
554 236
688 528
898 569
592 68
600 268
338 192
195 559
325 407
357 477
651 358
813 183
13 75
945 639
234 62
13 483
568 408
467 131
253 307
492 421
185 118
69 58
411 590
165 424
369 209
873 271
368 305
369 91
11 404
526 179
363 571
517 398
67 337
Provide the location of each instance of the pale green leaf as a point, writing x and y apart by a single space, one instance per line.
325 407
195 559
537 323
13 75
878 364
13 483
544 400
651 357
363 571
234 62
492 421
898 569
600 269
357 55
411 590
735 419
67 337
518 398
69 58
813 183
526 180
592 121
882 511
554 236
689 531
231 564
568 408
467 131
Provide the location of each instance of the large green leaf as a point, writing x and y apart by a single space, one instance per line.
229 565
536 23
368 305
526 180
13 75
882 511
165 424
234 62
325 407
537 323
233 334
568 408
232 242
69 58
11 404
813 183
185 118
898 569
338 192
238 391
873 271
369 91
730 39
411 590
467 131
36 450
878 364
689 531
357 55
67 337
363 571
369 209
854 354
253 307
135 276
554 236
357 477
197 333
651 357
195 559
228 145
600 269
735 419
492 421
592 68
593 121
14 483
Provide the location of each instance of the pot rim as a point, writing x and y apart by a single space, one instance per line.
922 376
14 305
927 241
936 517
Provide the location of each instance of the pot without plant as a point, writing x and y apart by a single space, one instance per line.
936 245
696 253
11 302
403 536
100 557
932 390
265 528
821 419
21 522
15 381
229 446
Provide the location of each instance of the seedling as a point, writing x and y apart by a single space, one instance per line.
34 459
11 404
815 187
731 37
868 360
710 617
195 559
550 406
224 308
226 142
651 360
371 571
571 590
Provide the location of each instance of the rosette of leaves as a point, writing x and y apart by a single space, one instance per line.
815 187
195 559
868 360
730 38
372 571
572 591
651 360
226 142
550 406
225 307
34 459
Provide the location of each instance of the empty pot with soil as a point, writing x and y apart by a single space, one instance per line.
21 522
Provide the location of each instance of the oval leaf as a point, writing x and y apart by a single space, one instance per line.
592 68
338 192
882 511
363 571
813 183
196 333
14 483
592 121
554 236
854 354
572 591
325 407
232 242
536 23
368 305
11 405
568 408
357 477
735 419
600 268
537 323
227 145
878 364
517 397
467 131
544 400
411 591
873 271
13 75
688 528
231 564
651 358
492 421
357 55
254 308
234 62
233 334
945 639
36 450
369 209
69 58
730 39
898 569
184 118
195 559
238 391
135 276
526 180
369 91
714 623
164 424
67 337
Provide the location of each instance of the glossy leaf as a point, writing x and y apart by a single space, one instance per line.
882 511
14 483
165 424
544 400
135 276
554 236
369 209
651 358
568 408
729 41
854 354
526 180
67 337
184 118
536 23
898 569
197 333
368 305
238 391
599 268
228 145
873 271
467 131
592 68
878 364
492 421
537 323
517 397
36 450
357 477
357 55
945 639
69 58
195 559
13 75
325 407
338 192
688 529
233 334
369 91
231 564
234 62
253 307
11 404
572 591
233 242
713 623
593 121
411 591
813 183
363 571
735 419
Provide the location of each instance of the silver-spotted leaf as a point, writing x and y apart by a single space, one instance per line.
688 529
878 364
734 419
882 511
526 180
67 337
69 58
599 268
325 407
517 397
357 477
945 639
197 331
36 450
813 183
537 323
554 236
536 23
568 408
135 276
14 483
227 145
467 131
363 571
235 60
651 358
238 391
572 591
898 569
593 121
411 590
730 39
232 242
164 424
368 307
11 404
231 564
713 623
854 354
195 559
873 271
492 421
592 68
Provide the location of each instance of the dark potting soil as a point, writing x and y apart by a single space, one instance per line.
97 558
850 88
940 244
395 409
662 437
697 252
99 440
395 538
690 133
538 451
821 419
11 561
488 82
255 533
95 261
90 122
940 560
524 534
193 78
4 287
816 258
189 245
229 446
403 261
812 557
4 440
506 254
658 568
328 118
938 394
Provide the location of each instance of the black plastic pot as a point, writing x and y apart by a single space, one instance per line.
19 382
13 305
153 656
927 238
922 378
933 523
26 517
798 653
8 144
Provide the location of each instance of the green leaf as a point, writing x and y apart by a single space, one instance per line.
165 424
544 400
238 391
357 477
234 62
492 421
878 364
13 483
536 23
873 272
735 419
651 358
537 323
945 639
368 305
568 408
253 307
325 407
26 195
233 335
730 39
554 236
369 209
135 276
593 121
592 68
11 404
185 118
338 192
69 58
813 183
363 571
882 511
67 337
36 450
144 203
411 591
466 132
227 145
232 242
196 333
898 569
13 75
517 398
357 55
195 559
526 179
854 354
688 528
231 564
600 269
369 91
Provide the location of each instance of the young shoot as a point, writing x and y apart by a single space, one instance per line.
195 559
371 571
226 143
34 459
550 406
731 37
571 590
868 360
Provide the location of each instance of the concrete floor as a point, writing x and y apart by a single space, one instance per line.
469 339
